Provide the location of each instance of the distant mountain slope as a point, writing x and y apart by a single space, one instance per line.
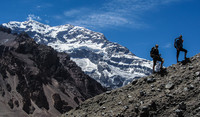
36 80
109 63
174 93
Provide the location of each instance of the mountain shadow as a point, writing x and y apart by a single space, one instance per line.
36 80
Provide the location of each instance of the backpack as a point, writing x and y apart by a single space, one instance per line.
178 43
152 52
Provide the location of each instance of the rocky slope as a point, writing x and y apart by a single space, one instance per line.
36 80
174 92
109 63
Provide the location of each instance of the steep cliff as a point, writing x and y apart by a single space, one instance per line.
36 80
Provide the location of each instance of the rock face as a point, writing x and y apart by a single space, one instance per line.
36 80
109 63
175 92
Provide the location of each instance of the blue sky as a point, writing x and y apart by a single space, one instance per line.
135 24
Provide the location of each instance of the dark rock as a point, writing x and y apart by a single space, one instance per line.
153 106
191 67
8 87
60 105
144 108
137 110
191 87
152 89
5 29
197 74
159 90
27 107
3 93
32 109
142 93
145 79
179 113
40 99
182 106
170 95
126 107
144 112
10 103
16 103
76 100
134 81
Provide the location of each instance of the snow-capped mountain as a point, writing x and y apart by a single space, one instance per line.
109 63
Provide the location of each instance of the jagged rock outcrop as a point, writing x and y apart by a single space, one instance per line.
174 92
36 80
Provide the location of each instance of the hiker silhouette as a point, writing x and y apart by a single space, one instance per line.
178 44
156 57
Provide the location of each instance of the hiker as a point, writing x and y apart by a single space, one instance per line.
178 44
156 57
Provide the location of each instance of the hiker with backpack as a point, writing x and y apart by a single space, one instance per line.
178 44
156 57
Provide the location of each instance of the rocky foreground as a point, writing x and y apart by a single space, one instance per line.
37 81
172 93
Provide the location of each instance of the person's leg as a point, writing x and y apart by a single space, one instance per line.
162 63
154 64
177 55
184 50
185 53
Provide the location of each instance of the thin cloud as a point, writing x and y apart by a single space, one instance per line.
169 45
58 17
71 13
101 20
33 17
42 6
76 12
113 13
135 5
38 7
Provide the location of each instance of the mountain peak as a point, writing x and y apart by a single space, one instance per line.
109 63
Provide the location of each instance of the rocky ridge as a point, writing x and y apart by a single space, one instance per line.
174 92
36 80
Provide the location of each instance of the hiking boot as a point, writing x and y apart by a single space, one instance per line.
163 68
154 72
